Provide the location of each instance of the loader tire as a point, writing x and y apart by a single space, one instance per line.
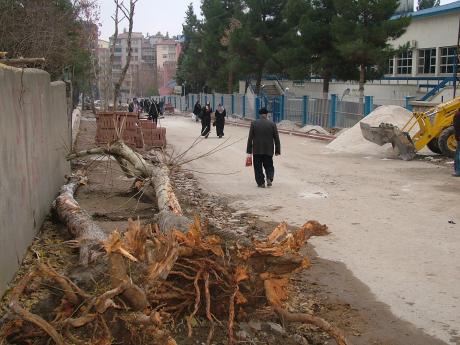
447 142
433 145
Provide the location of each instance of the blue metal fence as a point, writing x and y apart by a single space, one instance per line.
306 110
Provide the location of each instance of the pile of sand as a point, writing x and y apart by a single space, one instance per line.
287 125
352 140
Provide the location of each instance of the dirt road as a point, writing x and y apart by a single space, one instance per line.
395 225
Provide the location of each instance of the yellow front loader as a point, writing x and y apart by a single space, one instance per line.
435 130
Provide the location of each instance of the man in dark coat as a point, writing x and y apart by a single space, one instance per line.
153 112
456 123
263 137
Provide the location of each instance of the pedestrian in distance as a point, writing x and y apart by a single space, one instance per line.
197 110
220 120
263 141
153 112
130 106
456 123
206 120
160 107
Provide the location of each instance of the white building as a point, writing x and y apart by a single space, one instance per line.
432 38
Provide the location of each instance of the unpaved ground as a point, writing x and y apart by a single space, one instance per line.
328 289
393 252
109 202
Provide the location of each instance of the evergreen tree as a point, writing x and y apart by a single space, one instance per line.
422 4
312 48
261 35
217 27
362 29
191 67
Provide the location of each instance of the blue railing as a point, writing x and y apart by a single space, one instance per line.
328 113
437 88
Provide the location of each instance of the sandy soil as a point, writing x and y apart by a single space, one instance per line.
331 289
393 252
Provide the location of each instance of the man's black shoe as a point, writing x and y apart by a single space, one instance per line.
261 185
269 183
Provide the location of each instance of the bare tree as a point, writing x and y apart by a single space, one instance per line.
116 21
128 14
47 29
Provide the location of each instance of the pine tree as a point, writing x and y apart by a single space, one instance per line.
261 36
423 4
312 48
191 67
362 29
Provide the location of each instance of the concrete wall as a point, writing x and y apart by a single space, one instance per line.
34 132
76 118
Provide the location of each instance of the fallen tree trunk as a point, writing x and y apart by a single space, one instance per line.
155 174
87 234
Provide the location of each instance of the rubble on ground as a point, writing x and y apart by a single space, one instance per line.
312 129
288 125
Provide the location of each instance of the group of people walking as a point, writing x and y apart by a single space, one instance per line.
263 140
152 107
205 114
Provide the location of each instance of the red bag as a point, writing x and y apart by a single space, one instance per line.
249 161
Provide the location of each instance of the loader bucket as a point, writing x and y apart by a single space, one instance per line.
387 133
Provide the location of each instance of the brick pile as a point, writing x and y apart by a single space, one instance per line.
135 132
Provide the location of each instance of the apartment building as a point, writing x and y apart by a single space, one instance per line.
103 72
152 67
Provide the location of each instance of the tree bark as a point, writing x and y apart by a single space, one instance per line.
259 80
88 235
362 80
326 81
157 175
112 51
130 17
230 82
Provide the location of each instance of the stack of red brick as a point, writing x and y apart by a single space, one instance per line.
134 132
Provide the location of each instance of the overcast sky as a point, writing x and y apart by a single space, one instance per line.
152 16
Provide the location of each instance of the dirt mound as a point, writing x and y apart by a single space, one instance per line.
313 129
352 141
287 125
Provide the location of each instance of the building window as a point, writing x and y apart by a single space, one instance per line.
165 56
391 66
427 61
405 62
447 59
117 50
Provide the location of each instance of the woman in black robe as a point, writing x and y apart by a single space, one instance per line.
220 115
206 120
197 110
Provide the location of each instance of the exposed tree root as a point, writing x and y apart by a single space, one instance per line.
27 315
160 273
275 292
